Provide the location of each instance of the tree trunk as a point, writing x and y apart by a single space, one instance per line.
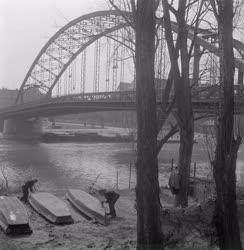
184 110
186 123
226 217
184 163
184 113
196 64
149 234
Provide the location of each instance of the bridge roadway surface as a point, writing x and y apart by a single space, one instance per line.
205 101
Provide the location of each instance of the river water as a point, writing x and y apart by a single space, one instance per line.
77 165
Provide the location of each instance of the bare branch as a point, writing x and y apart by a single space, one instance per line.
122 13
174 129
214 7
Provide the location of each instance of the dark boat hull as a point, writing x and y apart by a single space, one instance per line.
87 205
13 216
51 208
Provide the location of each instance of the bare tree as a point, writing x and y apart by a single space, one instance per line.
184 115
143 21
180 72
226 216
149 235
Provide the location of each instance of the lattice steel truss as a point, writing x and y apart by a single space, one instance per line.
83 72
63 48
108 63
97 59
72 39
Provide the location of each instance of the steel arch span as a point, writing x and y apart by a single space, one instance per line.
68 42
65 45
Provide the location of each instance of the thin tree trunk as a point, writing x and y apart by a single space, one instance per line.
149 234
226 217
185 111
186 124
184 114
185 153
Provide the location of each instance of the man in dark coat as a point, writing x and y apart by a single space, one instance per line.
174 181
111 198
26 188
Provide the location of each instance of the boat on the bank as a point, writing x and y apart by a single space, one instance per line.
88 205
51 207
14 218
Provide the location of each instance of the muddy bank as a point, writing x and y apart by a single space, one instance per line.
83 234
182 228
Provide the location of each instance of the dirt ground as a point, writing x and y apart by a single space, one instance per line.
85 234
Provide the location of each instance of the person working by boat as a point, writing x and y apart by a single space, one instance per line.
111 198
29 186
174 182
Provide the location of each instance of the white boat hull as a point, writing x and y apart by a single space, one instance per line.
88 205
14 218
51 207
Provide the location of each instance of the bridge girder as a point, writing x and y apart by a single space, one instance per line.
206 100
75 37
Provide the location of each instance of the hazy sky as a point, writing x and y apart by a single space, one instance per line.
25 26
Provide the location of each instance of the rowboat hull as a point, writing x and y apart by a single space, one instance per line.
13 216
51 208
87 205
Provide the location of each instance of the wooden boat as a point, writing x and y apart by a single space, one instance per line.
51 207
88 205
14 218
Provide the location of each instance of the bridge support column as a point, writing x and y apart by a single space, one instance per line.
26 129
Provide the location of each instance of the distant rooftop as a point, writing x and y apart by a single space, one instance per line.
127 86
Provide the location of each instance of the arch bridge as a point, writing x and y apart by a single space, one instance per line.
87 64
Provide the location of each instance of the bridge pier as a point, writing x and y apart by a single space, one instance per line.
26 129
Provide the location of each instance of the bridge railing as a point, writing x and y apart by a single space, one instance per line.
116 96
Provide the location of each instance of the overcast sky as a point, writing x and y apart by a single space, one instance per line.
25 26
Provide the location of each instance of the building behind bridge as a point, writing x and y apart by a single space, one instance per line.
127 86
7 97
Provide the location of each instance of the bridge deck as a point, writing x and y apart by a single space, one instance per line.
205 100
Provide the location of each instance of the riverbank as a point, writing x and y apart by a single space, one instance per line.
83 234
72 132
90 137
76 132
119 234
83 137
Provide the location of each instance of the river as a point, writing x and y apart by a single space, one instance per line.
76 165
